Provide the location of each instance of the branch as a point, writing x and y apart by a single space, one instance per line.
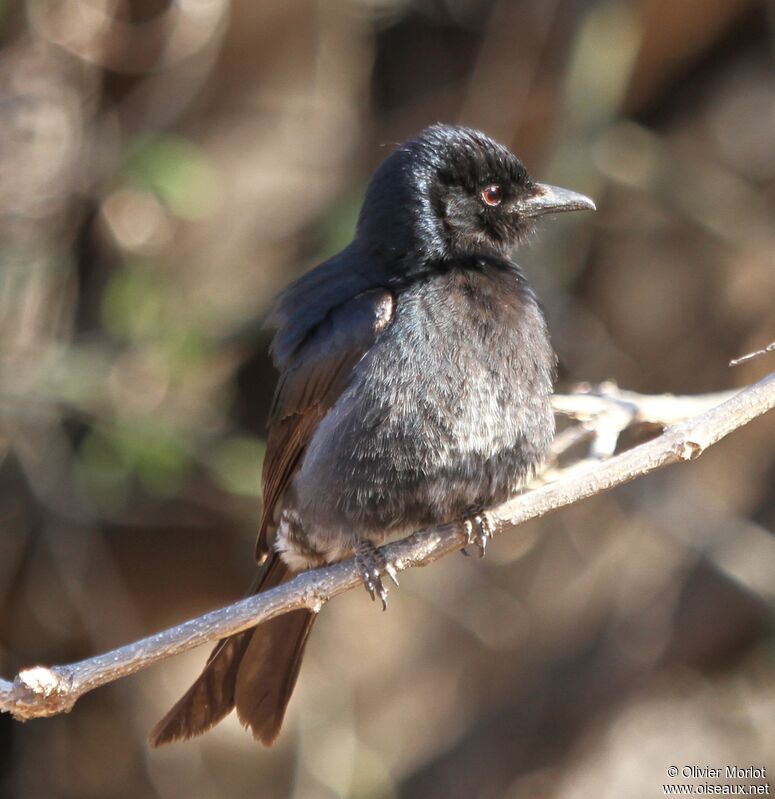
586 402
606 411
751 355
43 691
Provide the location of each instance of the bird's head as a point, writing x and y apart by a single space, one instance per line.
453 192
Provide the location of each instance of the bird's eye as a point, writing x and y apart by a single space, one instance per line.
492 195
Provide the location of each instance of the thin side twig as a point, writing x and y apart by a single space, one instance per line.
44 691
751 355
606 411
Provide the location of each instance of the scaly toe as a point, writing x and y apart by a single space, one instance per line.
479 530
371 563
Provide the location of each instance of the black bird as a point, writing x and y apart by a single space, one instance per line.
415 377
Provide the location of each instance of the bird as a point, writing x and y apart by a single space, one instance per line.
415 377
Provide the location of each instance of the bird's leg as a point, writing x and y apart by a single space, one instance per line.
479 529
371 563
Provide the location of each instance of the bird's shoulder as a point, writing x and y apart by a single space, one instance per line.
317 371
301 310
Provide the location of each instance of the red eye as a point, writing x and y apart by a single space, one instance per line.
492 195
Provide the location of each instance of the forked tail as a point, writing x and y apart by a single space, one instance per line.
254 671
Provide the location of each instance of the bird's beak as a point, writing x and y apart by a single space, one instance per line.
552 200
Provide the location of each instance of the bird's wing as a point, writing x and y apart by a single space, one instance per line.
312 381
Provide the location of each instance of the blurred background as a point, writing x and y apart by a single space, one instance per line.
166 167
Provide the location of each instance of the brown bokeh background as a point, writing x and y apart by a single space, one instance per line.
167 167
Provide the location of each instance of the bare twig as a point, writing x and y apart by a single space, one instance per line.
751 355
43 691
606 411
586 402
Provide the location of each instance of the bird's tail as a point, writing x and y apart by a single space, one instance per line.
254 671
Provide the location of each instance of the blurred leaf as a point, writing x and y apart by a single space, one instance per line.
601 66
237 465
104 462
183 349
109 458
134 304
179 173
141 305
102 471
159 458
338 226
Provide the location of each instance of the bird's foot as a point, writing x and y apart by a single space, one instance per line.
479 529
371 564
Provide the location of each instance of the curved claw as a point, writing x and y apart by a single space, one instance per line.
391 572
368 583
371 563
479 530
